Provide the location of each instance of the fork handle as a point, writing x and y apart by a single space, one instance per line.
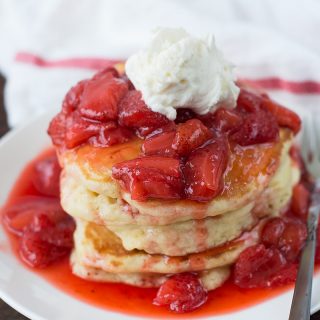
301 302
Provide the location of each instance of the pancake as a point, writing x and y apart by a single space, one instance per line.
211 279
249 173
98 247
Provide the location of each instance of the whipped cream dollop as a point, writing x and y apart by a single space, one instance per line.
177 70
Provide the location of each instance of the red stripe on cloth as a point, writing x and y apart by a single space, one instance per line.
298 87
271 83
86 63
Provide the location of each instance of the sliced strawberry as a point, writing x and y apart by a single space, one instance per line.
38 253
134 113
284 116
159 144
150 177
285 276
300 201
204 170
254 102
226 120
293 239
189 136
57 129
20 214
182 293
111 136
47 176
272 231
249 101
101 97
44 241
260 127
286 234
79 129
106 73
73 97
256 265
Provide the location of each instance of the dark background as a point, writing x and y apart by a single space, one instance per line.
6 312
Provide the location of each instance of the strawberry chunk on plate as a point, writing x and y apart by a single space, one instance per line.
182 292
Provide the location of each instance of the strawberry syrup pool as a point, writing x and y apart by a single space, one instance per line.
119 297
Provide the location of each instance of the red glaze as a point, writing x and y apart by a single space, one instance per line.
127 299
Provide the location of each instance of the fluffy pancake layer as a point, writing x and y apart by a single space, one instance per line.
118 239
211 279
249 173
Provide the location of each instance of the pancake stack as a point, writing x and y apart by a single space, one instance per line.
141 243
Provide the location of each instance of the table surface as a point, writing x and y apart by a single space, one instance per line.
6 312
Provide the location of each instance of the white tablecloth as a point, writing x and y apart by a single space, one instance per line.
46 46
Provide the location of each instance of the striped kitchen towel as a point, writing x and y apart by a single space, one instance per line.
47 46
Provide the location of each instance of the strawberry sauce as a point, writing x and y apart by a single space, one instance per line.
123 298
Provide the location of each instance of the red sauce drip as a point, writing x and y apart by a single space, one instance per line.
123 298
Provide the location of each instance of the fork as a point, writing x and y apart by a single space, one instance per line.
310 150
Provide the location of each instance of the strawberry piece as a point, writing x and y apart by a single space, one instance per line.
150 177
38 253
204 170
44 241
134 113
284 116
79 129
300 201
293 239
106 73
249 101
182 293
160 144
20 214
253 102
101 96
226 120
272 231
47 176
260 127
285 276
256 265
73 97
189 136
110 136
57 129
286 234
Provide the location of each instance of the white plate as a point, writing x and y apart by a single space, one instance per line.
37 299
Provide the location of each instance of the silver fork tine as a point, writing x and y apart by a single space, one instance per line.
315 131
305 137
316 128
